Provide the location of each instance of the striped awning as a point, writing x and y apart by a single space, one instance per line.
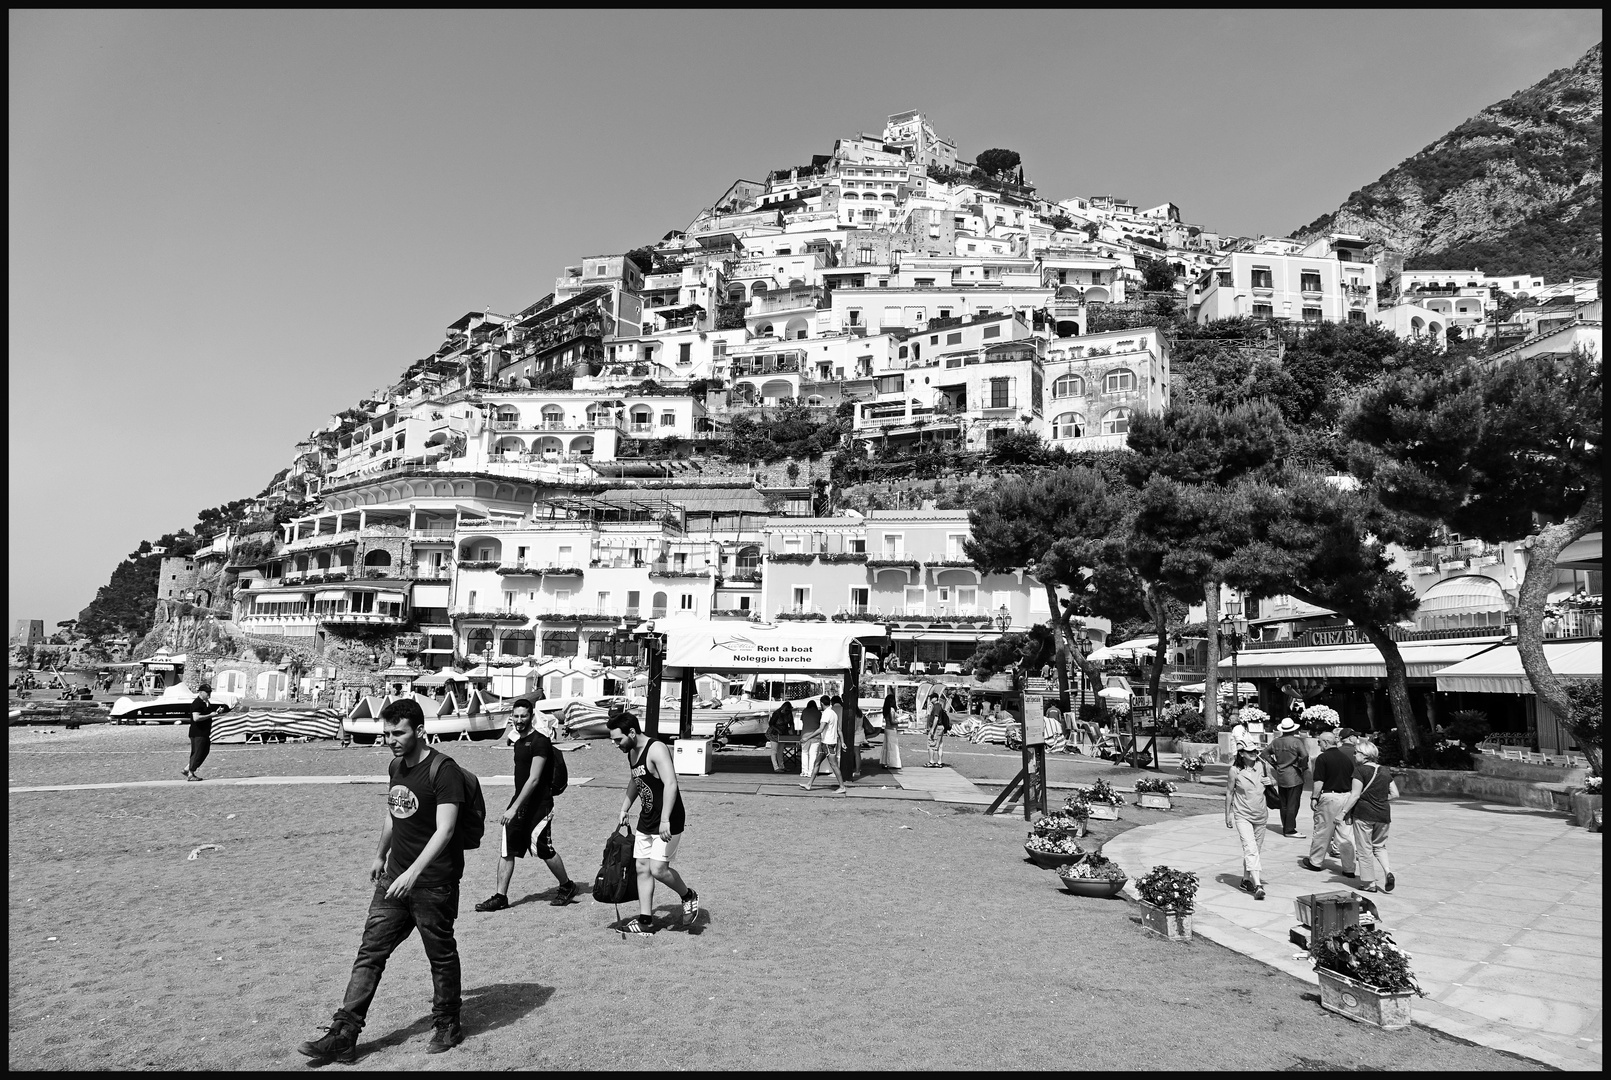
1499 670
1465 594
1422 660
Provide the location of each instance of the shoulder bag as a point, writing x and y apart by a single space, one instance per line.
1272 794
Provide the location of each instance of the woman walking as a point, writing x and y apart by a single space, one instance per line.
1246 811
1368 808
810 739
892 743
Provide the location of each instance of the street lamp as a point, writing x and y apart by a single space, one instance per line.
1233 631
1003 618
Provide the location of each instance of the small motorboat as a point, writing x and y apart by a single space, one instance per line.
172 707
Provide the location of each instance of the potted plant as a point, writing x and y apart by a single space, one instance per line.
1092 875
1168 897
1192 766
1586 802
1365 976
1051 850
1100 800
1155 792
1071 819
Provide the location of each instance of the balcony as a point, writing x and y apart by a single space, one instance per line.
1574 623
361 618
810 296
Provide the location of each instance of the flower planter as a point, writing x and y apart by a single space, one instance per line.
1049 860
1155 802
1076 831
1206 751
1102 890
1193 777
1174 925
1584 807
1103 812
1386 1009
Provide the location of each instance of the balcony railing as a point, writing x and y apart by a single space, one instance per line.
357 618
1582 623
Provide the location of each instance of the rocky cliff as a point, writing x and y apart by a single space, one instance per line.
1515 189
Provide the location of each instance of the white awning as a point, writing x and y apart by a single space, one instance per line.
1587 553
431 596
1468 593
1499 670
330 594
788 646
1422 660
1244 689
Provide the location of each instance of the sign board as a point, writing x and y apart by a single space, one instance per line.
410 643
1346 635
731 646
159 667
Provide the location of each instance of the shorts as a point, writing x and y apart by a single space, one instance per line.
518 837
650 846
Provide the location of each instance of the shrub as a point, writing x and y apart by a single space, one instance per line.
1176 720
1167 888
1368 955
1152 785
1467 726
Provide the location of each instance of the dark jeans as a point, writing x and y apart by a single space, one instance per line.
1291 799
433 911
199 746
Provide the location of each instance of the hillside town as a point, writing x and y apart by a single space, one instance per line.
547 485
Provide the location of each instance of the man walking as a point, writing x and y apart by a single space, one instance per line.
530 812
201 730
660 820
1291 762
416 872
1333 780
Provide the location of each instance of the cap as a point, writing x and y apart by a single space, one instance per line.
1347 733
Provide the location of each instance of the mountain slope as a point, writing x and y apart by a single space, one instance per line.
1517 188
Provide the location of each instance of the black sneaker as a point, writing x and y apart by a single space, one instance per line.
1388 884
690 907
496 902
1258 893
339 1043
565 895
448 1034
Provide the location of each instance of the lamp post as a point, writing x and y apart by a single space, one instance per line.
1233 631
1003 618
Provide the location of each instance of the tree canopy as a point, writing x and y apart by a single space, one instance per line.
998 162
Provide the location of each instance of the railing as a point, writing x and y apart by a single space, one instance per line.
657 613
1583 623
355 618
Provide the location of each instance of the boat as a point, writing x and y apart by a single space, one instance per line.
173 707
473 716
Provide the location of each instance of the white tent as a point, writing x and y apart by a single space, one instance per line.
1246 689
1499 671
1126 649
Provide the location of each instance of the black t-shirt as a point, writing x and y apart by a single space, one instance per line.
652 793
413 800
1334 771
203 728
528 749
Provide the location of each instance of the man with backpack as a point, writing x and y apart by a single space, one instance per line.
539 776
660 820
433 811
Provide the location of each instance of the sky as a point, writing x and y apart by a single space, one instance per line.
226 226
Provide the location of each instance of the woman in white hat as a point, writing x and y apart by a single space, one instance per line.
1245 809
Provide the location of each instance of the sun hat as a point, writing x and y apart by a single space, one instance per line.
1247 742
1287 725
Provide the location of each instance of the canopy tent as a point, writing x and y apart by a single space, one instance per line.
1587 553
1126 649
1114 693
1499 670
1245 689
1422 660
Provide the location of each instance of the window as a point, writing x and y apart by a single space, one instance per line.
1116 422
1311 314
1356 316
1222 278
855 316
954 339
914 600
1001 394
743 603
1310 281
685 602
973 247
634 599
1263 311
800 598
1119 382
953 547
967 599
1070 425
791 543
600 270
924 282
859 599
858 547
945 313
992 331
718 348
668 419
1262 278
565 551
685 353
1068 386
864 256
603 599
520 554
892 545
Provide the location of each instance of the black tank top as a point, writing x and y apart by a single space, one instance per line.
652 793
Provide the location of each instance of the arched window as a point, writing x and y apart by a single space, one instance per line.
1116 422
478 641
560 642
758 288
507 414
517 643
378 558
1119 382
1068 386
553 414
658 606
1070 425
749 558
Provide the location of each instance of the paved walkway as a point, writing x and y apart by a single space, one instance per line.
1499 908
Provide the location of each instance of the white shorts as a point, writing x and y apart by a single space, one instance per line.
650 846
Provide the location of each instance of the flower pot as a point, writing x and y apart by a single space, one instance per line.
1194 777
1174 925
1048 860
1386 1009
1102 890
1076 832
1156 802
1103 812
1583 807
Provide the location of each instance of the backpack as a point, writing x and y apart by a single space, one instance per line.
473 814
558 775
617 880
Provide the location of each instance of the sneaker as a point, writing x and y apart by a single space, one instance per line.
565 895
638 927
1389 884
1307 865
1247 884
193 776
1258 893
496 902
339 1043
690 906
448 1034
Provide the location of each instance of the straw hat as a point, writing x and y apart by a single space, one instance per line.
1287 726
